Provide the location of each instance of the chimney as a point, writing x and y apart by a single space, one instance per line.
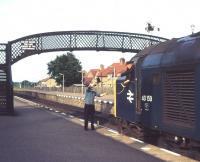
122 61
101 67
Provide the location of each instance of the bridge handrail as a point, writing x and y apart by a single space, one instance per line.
144 36
80 40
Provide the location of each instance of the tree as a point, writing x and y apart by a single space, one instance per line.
26 84
67 65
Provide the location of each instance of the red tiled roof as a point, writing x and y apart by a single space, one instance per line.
87 81
92 72
119 68
104 72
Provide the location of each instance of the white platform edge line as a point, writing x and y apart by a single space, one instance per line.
113 131
137 140
170 152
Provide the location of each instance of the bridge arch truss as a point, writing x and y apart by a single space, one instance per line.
80 40
18 49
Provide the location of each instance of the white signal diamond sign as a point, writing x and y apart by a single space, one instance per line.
130 96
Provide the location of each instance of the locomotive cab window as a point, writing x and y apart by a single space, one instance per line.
130 71
129 74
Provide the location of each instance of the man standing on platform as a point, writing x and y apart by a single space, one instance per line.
89 108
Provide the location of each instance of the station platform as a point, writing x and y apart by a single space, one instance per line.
39 134
106 97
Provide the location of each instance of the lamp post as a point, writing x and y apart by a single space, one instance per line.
114 74
63 81
82 72
192 28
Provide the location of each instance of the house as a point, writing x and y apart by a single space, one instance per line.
47 82
107 75
89 76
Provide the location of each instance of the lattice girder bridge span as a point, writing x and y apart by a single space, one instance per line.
80 40
26 46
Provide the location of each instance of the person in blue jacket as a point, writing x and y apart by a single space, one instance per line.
89 108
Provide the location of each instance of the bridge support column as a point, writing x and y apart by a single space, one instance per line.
6 87
9 96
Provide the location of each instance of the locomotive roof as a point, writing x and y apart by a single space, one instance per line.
175 51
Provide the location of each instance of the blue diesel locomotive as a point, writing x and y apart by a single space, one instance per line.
164 90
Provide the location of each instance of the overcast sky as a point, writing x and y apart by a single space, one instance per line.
25 17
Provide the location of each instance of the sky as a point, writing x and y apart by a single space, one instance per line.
26 17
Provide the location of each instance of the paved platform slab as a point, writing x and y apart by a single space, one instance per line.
36 135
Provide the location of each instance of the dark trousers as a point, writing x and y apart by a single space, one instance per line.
89 111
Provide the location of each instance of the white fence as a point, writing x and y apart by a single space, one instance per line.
73 89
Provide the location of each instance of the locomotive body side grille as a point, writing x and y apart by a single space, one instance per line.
179 99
